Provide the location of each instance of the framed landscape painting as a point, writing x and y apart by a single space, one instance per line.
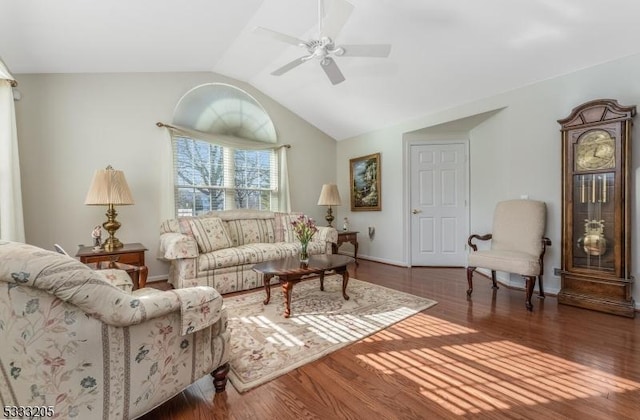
365 183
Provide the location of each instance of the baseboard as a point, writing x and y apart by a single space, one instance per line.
161 277
381 260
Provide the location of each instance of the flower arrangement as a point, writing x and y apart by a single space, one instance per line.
304 228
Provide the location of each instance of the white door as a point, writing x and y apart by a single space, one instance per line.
439 215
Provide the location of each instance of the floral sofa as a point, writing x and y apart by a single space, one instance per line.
219 249
77 346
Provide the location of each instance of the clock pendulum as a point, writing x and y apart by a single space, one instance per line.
593 242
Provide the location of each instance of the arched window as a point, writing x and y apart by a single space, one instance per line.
225 153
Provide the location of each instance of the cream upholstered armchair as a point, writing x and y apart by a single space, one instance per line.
75 341
517 245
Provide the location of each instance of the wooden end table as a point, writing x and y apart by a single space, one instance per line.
290 271
350 236
138 274
129 254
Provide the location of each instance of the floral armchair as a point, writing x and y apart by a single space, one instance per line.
81 346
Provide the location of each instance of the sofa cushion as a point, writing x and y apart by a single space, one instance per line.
507 261
210 233
253 254
284 228
251 231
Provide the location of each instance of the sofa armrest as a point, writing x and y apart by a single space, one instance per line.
174 246
326 234
118 278
473 246
198 306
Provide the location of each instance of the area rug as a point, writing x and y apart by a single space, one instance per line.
265 345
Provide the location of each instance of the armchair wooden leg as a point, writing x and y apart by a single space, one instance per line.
470 280
493 279
530 284
220 377
540 289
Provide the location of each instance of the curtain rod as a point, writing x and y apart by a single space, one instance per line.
161 124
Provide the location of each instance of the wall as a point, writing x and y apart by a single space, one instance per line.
69 125
514 152
387 245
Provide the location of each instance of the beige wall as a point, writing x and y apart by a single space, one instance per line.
69 125
514 152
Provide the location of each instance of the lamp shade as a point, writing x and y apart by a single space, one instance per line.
108 187
329 196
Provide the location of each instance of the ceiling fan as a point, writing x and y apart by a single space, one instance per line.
323 48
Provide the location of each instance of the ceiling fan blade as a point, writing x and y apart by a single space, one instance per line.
337 16
371 50
331 69
289 66
278 36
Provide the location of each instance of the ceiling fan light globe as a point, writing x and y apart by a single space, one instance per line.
319 53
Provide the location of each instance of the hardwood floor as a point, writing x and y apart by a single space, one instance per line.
484 358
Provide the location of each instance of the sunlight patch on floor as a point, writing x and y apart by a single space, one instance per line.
482 376
280 335
338 328
419 326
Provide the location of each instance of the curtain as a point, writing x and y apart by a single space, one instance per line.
168 200
284 203
11 217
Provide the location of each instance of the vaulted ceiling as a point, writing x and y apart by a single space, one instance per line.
444 53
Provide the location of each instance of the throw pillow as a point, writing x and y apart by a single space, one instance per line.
210 233
250 231
284 228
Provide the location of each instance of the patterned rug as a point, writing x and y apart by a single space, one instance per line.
265 345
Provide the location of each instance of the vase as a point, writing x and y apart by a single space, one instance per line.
304 256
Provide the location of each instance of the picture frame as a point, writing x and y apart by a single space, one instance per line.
365 179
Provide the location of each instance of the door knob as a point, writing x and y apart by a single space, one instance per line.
416 211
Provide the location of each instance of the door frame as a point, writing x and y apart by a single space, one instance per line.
431 139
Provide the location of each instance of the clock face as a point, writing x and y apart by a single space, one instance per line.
596 149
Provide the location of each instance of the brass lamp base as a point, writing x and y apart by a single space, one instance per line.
112 243
111 226
329 217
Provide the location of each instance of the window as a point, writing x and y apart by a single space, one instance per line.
223 155
212 177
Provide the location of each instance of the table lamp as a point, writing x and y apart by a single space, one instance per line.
109 187
329 196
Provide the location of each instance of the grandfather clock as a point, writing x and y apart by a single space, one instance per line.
596 207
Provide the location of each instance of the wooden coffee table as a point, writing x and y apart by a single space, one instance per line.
291 270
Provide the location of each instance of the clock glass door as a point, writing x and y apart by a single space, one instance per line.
594 221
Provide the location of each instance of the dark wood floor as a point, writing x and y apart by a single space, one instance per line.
484 358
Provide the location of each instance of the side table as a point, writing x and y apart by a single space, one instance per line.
138 274
349 236
132 254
